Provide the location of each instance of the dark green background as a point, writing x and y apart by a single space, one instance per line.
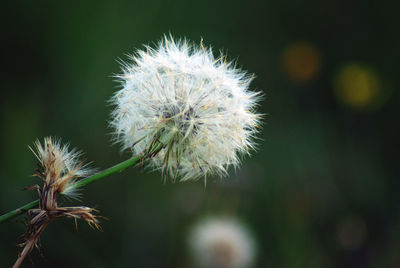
323 172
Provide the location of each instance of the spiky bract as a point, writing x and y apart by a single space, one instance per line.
59 169
59 166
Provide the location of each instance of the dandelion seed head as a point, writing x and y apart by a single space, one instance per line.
198 108
222 243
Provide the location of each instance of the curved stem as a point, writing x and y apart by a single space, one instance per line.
117 168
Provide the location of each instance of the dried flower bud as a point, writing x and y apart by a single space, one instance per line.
59 169
59 166
192 115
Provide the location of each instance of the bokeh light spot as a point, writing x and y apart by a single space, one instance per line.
357 86
352 233
301 61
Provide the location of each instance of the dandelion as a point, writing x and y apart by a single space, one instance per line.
223 243
59 169
184 111
190 114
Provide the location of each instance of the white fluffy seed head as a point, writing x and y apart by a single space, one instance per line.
222 243
196 107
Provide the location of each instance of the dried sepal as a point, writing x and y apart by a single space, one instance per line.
59 169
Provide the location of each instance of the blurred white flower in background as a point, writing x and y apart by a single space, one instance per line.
192 115
222 243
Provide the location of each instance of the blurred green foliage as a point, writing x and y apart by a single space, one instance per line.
322 189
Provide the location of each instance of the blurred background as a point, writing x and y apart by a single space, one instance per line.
321 190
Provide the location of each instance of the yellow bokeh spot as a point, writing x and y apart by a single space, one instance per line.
357 86
301 61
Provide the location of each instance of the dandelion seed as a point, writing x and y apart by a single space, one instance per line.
191 115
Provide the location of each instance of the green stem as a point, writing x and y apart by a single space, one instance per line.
19 210
117 168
